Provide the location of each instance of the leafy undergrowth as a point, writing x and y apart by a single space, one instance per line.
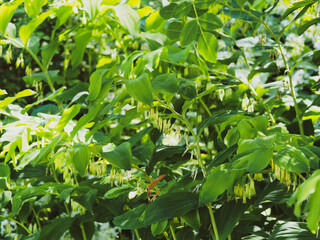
159 120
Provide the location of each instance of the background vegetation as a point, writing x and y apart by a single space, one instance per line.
159 120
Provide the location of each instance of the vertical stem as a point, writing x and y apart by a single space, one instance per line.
213 222
83 232
173 233
137 234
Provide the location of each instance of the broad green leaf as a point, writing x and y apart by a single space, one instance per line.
192 218
129 19
33 7
316 57
48 53
121 157
82 38
26 31
203 4
181 10
158 228
93 111
221 179
187 89
176 54
292 230
67 116
8 100
81 157
5 198
21 196
86 197
246 129
254 154
241 3
208 46
117 191
243 15
11 30
189 33
131 219
314 213
62 15
166 12
127 64
49 97
295 5
140 89
210 21
166 84
95 83
228 216
170 205
6 14
56 228
292 160
222 156
307 24
4 170
174 30
91 7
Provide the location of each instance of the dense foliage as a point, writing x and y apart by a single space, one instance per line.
145 119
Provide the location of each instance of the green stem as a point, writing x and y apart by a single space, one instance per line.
83 232
36 59
288 71
37 218
213 222
137 234
166 235
20 224
173 233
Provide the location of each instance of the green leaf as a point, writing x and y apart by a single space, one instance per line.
33 7
117 191
203 4
181 10
67 115
8 100
131 219
129 19
192 218
81 156
221 179
140 89
167 84
170 205
26 31
92 113
166 12
228 216
82 38
189 33
48 53
4 170
56 228
316 57
257 154
295 5
241 3
187 89
174 30
307 24
95 83
86 197
210 21
292 230
242 15
121 157
292 160
158 228
49 97
23 195
208 46
5 198
6 14
91 7
62 15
